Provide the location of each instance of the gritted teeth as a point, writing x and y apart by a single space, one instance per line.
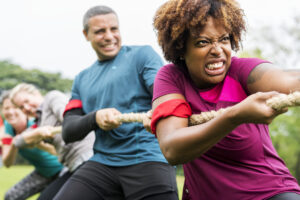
215 65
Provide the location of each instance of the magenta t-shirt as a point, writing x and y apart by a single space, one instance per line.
244 164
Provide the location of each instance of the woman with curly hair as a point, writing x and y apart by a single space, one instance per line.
230 156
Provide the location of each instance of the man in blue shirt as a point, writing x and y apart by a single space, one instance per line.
127 161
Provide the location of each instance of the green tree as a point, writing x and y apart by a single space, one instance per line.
12 74
285 134
279 43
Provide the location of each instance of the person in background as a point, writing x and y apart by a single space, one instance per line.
127 161
48 111
1 135
230 156
46 166
1 122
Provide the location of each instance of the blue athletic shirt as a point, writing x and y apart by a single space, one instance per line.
122 83
45 163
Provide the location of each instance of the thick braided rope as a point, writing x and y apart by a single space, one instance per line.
131 117
204 117
283 100
276 103
56 130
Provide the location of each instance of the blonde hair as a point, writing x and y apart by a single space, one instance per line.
23 87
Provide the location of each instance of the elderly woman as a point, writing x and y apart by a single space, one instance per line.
231 156
46 166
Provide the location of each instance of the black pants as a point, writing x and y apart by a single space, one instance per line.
149 180
51 190
286 196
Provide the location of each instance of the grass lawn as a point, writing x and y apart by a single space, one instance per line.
8 177
180 181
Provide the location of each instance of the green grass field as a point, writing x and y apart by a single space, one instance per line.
8 177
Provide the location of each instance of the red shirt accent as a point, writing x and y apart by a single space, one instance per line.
174 107
7 140
34 126
74 103
1 121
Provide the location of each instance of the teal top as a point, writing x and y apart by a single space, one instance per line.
45 163
123 83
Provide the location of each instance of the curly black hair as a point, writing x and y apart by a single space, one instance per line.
175 19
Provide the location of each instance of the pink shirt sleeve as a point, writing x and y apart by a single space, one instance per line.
241 68
167 81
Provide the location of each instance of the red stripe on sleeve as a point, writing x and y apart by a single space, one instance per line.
7 140
74 103
34 126
174 107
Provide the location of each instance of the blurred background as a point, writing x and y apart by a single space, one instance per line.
47 34
41 42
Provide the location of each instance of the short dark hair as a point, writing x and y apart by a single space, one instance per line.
94 11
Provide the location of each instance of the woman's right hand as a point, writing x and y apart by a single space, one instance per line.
254 109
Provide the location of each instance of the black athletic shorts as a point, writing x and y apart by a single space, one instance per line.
286 196
97 181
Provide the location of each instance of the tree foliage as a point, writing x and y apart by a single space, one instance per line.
12 74
279 43
285 134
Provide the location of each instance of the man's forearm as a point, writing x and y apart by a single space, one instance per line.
76 125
